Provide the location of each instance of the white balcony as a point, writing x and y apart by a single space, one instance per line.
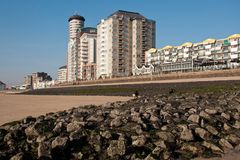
207 53
185 49
234 49
234 43
234 56
208 46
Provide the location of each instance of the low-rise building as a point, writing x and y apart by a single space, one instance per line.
207 55
62 74
2 86
43 84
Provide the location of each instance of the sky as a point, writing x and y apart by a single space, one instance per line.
34 33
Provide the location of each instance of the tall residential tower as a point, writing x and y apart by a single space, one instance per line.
76 23
122 40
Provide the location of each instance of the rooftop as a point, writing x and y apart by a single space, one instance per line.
76 16
63 67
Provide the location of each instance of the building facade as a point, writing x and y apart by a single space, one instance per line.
207 55
62 74
2 86
86 51
76 23
122 40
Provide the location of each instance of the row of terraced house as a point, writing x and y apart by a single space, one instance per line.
210 54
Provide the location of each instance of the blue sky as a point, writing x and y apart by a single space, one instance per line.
34 34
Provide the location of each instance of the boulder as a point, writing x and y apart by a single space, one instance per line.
225 144
44 150
116 122
60 142
116 147
211 146
202 133
212 130
194 118
138 141
211 111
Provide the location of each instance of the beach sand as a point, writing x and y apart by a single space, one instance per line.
16 107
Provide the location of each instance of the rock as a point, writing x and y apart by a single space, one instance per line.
114 113
44 150
149 157
211 146
166 136
106 134
28 120
226 127
76 135
225 144
40 127
192 111
157 151
226 116
186 134
194 118
202 133
41 139
60 142
212 130
74 126
204 115
95 118
166 155
116 147
237 124
116 122
138 140
161 144
233 139
19 156
58 127
211 111
190 148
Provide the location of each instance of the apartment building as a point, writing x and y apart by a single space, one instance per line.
76 23
209 54
86 52
62 74
122 39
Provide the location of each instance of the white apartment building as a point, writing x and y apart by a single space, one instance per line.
122 40
76 23
206 55
86 49
62 74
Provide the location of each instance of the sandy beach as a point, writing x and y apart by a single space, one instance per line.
16 107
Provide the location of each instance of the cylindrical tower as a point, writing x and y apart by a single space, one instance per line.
76 23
